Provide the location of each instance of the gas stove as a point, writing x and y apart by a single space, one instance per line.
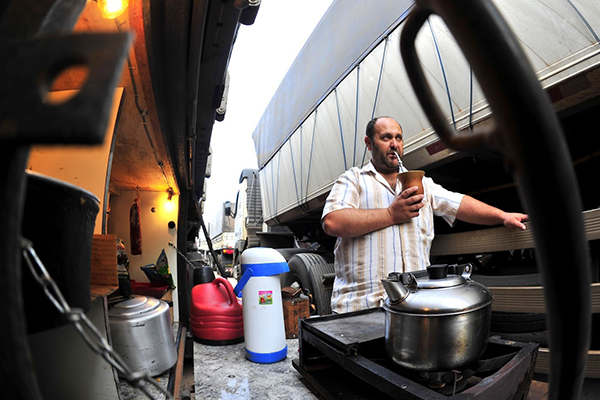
343 356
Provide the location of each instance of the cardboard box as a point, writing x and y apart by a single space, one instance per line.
293 309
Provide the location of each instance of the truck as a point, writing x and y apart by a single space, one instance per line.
310 270
221 231
313 129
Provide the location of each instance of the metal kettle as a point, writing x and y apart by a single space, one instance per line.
436 319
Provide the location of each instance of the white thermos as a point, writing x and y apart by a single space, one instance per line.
264 328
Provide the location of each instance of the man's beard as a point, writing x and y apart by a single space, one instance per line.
385 161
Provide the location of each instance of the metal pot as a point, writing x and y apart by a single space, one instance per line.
59 220
436 320
142 334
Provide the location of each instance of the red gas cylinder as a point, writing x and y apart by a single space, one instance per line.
216 316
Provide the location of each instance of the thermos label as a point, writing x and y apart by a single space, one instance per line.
265 297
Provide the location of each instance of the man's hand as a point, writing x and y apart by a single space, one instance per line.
515 220
406 205
352 222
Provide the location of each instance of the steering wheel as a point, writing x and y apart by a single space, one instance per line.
529 134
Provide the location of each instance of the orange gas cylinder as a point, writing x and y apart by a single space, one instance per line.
216 316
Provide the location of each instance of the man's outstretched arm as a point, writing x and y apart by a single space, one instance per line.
476 212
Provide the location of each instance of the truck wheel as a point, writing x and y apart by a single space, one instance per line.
307 270
506 322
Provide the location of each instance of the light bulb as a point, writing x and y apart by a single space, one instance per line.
168 205
111 9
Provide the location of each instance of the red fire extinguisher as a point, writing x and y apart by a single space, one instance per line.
135 227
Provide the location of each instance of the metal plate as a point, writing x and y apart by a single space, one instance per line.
352 330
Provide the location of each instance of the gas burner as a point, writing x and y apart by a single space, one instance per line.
447 382
337 349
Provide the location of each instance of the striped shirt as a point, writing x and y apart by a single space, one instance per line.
361 262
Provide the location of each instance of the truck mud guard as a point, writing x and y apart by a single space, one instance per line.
528 132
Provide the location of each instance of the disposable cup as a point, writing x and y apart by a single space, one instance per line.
412 178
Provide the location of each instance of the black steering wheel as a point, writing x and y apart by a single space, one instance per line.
529 134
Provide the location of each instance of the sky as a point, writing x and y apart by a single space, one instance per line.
261 56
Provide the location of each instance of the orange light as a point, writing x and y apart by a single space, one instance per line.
111 9
169 206
227 251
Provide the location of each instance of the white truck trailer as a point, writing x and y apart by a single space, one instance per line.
221 231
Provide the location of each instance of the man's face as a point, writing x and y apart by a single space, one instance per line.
387 138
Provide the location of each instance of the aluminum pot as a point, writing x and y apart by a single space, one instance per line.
437 320
142 334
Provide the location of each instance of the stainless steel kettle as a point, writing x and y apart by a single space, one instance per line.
436 320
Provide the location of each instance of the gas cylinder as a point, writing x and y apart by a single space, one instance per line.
216 316
264 328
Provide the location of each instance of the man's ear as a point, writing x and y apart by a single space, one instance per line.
368 143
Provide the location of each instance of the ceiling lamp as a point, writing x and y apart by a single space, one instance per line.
111 9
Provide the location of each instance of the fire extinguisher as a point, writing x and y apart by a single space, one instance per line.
135 227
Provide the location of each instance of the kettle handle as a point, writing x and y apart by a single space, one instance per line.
242 282
465 270
228 288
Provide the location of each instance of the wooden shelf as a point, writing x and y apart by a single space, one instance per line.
103 274
102 290
530 299
592 369
501 238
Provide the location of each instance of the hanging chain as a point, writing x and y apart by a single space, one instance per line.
88 332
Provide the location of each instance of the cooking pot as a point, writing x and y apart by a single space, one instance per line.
436 320
142 334
59 219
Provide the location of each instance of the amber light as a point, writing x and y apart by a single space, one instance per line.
111 9
168 205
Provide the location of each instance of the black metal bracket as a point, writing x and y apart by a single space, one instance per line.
32 58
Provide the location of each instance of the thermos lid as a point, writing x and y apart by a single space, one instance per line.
263 261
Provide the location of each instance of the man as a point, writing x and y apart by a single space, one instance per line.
383 227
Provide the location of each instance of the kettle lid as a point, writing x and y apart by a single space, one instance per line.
263 261
441 276
442 289
136 305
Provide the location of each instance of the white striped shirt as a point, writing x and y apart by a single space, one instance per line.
361 262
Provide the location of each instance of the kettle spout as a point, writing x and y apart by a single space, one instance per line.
395 288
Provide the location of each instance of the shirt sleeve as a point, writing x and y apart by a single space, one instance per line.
345 193
445 203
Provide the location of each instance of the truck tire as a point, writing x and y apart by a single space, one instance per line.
507 322
307 270
540 337
288 253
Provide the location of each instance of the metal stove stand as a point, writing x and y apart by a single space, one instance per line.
343 357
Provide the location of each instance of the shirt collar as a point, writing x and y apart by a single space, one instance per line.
370 169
